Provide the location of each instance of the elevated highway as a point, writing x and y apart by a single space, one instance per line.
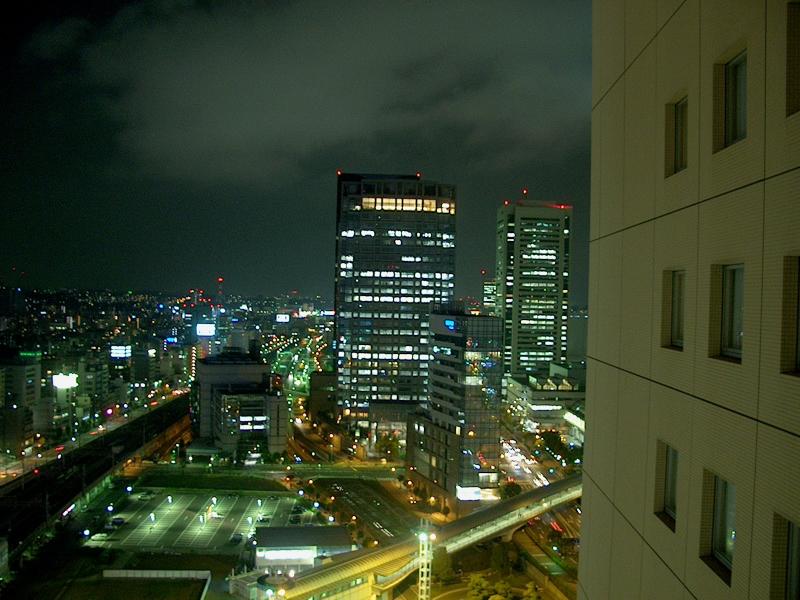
372 574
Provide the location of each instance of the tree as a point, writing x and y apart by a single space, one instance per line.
499 558
510 489
388 446
501 588
441 562
531 592
479 588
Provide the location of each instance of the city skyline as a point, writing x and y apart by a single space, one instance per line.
131 183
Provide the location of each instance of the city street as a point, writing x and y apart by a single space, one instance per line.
376 511
527 469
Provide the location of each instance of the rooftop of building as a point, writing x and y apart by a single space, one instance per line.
290 537
231 358
548 382
377 176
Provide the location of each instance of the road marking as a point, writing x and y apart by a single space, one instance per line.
143 533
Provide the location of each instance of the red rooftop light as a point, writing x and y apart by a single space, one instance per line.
506 202
525 191
338 172
419 175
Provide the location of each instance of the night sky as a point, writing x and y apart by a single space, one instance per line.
154 145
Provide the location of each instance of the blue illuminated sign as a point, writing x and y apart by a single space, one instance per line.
450 324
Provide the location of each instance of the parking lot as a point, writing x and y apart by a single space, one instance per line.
197 521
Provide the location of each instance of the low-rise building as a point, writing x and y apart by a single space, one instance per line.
295 549
236 408
554 402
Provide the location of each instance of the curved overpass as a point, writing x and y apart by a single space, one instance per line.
373 573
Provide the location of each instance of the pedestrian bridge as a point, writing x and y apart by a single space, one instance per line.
372 574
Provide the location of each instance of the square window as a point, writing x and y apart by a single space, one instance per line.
730 102
792 58
666 484
676 136
731 333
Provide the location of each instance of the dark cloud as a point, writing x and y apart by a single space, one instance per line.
219 126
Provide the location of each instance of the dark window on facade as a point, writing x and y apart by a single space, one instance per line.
736 99
676 312
732 311
792 58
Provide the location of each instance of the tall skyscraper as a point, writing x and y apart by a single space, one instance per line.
532 277
489 296
454 441
691 486
395 255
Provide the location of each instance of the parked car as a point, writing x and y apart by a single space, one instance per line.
118 521
236 538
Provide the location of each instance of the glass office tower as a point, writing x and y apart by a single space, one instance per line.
395 255
532 276
454 441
